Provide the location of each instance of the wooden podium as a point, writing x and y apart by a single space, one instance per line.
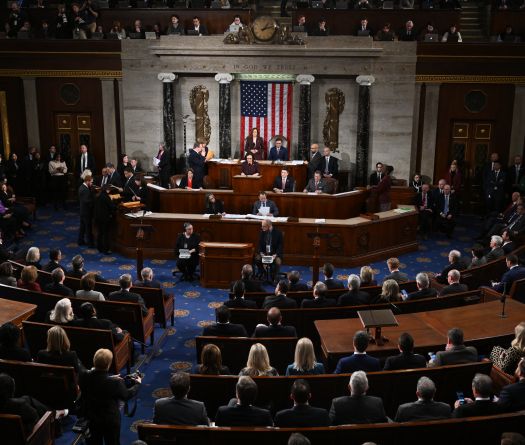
221 263
247 184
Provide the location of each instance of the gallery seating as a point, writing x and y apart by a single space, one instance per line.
12 430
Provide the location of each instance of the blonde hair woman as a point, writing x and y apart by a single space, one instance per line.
62 313
389 292
304 359
258 363
57 351
507 359
367 276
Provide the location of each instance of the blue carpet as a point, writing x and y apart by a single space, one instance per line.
194 305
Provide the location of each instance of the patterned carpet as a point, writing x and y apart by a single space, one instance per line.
175 349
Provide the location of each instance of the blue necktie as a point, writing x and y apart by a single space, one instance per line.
445 210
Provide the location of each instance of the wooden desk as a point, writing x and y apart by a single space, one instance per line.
351 242
15 312
221 262
481 325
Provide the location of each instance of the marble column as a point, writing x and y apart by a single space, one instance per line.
225 114
110 127
305 115
363 129
168 116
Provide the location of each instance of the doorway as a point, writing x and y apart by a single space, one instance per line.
72 131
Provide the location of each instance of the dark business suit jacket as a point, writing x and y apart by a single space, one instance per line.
357 362
512 397
147 283
224 330
458 265
274 331
280 301
296 287
164 168
58 289
405 360
251 285
130 189
456 355
288 187
241 303
453 288
513 178
90 163
333 166
374 178
494 254
25 408
239 415
478 408
453 206
104 208
281 156
332 283
428 292
172 411
259 146
276 243
302 416
354 298
361 409
269 203
313 165
398 276
85 198
422 410
131 297
514 274
51 266
318 302
66 358
311 187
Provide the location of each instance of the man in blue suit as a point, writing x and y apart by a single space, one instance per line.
358 361
514 273
278 153
512 397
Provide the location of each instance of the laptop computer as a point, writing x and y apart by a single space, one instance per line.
363 33
135 35
234 28
431 38
151 35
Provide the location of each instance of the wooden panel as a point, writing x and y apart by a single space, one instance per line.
14 92
221 262
514 18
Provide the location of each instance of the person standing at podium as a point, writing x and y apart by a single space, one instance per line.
250 167
254 145
187 241
265 206
270 243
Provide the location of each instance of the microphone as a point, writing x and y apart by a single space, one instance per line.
503 299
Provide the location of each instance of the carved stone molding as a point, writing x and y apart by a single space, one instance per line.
305 79
224 77
365 81
166 77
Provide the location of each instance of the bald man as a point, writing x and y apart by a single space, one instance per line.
315 160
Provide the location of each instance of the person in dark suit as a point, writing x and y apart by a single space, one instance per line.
454 262
455 352
212 205
354 296
359 360
199 27
423 289
85 198
406 359
425 408
104 216
197 162
85 161
102 394
329 280
284 183
240 411
189 182
295 284
395 274
364 22
129 189
496 251
329 165
454 286
319 293
425 207
57 284
515 173
90 320
408 33
279 299
315 160
271 243
512 397
238 300
278 152
446 211
55 255
250 285
222 327
187 240
482 405
112 177
265 202
124 293
358 407
58 351
77 269
377 175
10 348
274 328
316 184
178 409
147 279
496 182
302 415
515 272
508 242
382 190
254 145
163 166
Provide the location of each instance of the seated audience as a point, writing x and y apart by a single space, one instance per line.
78 271
102 394
178 409
240 411
363 27
508 35
302 415
6 274
452 35
320 29
30 410
55 255
58 351
454 262
515 273
118 30
454 286
249 167
478 258
359 360
222 327
238 299
482 405
408 33
211 362
512 397
62 313
304 360
258 363
212 205
279 299
33 257
189 181
425 408
124 293
385 34
508 242
455 352
274 328
87 289
508 359
270 209
316 184
175 27
425 208
57 284
137 31
367 276
358 407
496 251
9 344
320 300
147 279
91 321
28 278
362 4
284 183
198 27
423 288
389 292
329 280
295 285
447 208
250 285
354 296
406 359
394 272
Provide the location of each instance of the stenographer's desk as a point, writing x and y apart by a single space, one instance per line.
350 242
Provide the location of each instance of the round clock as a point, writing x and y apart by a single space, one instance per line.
264 28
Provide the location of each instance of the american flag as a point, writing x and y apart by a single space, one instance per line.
268 107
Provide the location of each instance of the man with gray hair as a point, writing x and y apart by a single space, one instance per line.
425 408
496 251
125 295
454 286
482 405
454 262
319 292
354 296
147 279
423 289
358 407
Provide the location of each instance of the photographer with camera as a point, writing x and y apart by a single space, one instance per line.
101 393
